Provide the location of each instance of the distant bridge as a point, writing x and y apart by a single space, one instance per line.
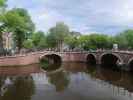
99 57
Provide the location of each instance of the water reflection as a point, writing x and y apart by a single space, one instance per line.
74 67
59 79
113 77
49 67
16 88
19 70
73 81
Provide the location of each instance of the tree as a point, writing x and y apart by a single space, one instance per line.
72 42
28 44
125 39
2 6
121 41
99 40
94 41
75 34
19 22
36 37
3 3
58 34
128 34
84 42
2 10
39 40
72 39
51 41
43 43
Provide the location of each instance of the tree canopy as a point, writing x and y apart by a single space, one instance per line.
57 34
3 3
18 21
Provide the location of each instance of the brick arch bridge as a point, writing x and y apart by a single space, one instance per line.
121 57
124 58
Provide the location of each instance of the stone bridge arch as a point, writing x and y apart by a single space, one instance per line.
91 59
127 58
53 57
108 59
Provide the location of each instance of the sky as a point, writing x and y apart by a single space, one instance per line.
85 16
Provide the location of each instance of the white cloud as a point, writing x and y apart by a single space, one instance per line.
104 16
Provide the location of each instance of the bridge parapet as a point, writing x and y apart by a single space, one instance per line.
126 57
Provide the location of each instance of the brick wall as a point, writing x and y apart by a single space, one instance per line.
32 58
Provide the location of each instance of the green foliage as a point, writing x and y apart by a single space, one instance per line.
72 42
51 40
43 43
57 35
2 3
129 38
28 44
2 6
125 39
19 22
84 42
99 40
36 37
95 41
39 40
60 31
13 20
44 63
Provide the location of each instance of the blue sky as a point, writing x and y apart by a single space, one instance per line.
85 16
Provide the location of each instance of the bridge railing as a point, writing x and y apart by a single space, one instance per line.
24 52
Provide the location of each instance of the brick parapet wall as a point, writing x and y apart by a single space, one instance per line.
34 57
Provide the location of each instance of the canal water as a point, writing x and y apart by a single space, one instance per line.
73 81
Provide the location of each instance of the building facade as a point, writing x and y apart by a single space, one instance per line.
7 40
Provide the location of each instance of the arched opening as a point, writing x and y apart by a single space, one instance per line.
50 62
110 61
53 58
91 60
130 65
